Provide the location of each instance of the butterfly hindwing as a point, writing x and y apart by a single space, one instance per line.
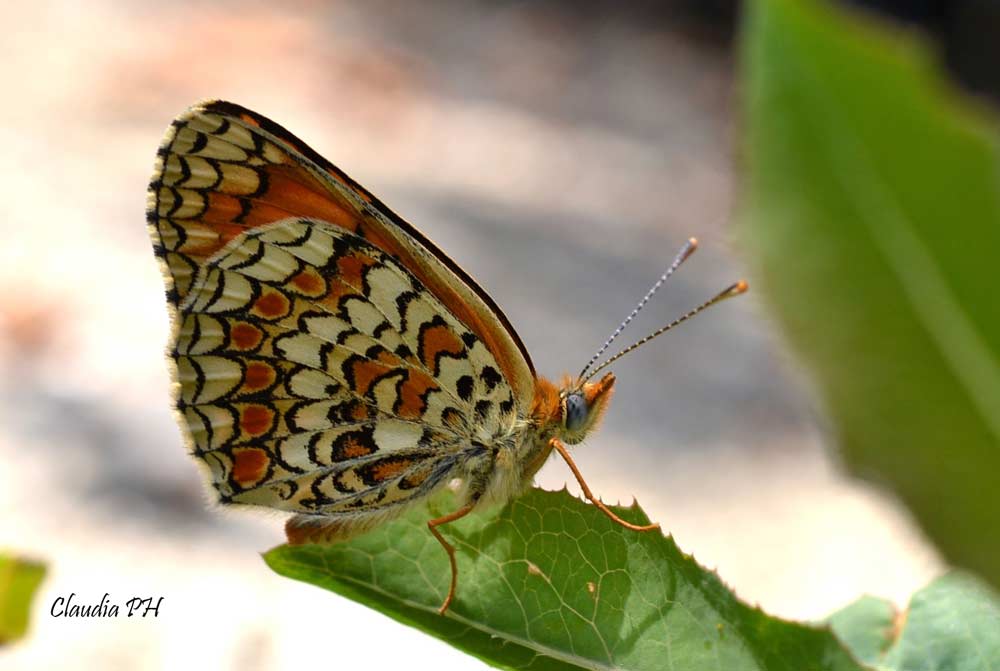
318 375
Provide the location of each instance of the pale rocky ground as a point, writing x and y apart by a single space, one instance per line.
561 158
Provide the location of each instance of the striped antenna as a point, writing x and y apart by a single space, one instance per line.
687 250
730 291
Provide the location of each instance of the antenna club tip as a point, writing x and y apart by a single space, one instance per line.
741 287
693 243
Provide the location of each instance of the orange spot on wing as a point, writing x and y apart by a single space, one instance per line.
412 404
351 267
249 465
256 419
271 305
365 372
353 448
359 411
336 292
259 376
309 283
245 336
389 468
437 340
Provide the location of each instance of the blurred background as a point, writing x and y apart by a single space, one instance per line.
560 152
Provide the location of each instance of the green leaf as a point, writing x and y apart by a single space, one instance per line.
19 579
954 623
550 583
866 628
872 218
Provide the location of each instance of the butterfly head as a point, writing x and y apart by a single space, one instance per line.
583 405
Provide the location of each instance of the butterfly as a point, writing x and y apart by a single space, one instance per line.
330 361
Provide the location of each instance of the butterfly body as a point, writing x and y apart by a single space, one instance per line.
330 361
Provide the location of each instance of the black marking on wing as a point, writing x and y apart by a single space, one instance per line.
299 241
465 386
402 302
252 258
286 494
200 142
490 377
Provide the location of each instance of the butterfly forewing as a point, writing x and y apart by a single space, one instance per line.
224 170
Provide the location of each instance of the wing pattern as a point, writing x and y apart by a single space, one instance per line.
223 170
318 375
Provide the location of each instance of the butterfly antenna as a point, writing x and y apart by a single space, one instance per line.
687 250
730 291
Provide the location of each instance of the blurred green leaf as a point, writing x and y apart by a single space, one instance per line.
873 223
19 579
551 583
954 623
866 628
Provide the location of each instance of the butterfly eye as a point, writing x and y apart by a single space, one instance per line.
576 412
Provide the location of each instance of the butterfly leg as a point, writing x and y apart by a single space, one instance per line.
432 525
561 449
